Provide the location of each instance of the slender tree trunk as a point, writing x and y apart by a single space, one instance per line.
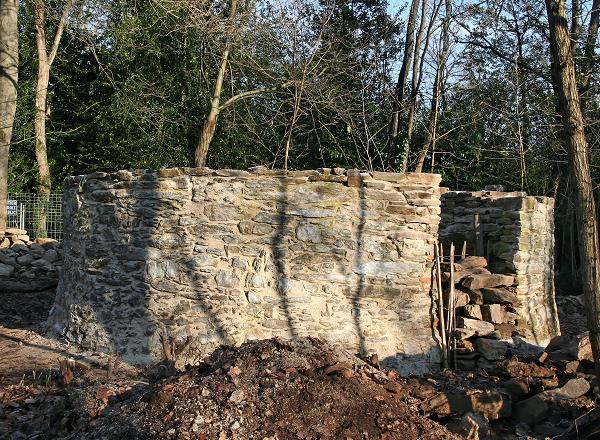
409 44
575 24
573 130
210 123
9 63
437 92
432 124
414 87
418 72
45 60
41 151
298 91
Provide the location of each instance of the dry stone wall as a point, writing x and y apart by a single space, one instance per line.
186 259
28 265
516 235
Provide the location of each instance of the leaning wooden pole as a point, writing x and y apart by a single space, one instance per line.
452 295
438 281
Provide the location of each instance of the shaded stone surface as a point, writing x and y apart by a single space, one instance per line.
516 235
211 257
479 281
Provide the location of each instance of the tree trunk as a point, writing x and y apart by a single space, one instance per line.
210 123
208 131
417 79
573 130
45 60
401 83
589 54
9 63
415 83
437 92
41 152
433 117
575 24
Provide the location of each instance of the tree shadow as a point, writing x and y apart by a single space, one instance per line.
121 230
172 267
358 262
279 254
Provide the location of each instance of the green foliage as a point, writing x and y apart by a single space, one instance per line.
133 80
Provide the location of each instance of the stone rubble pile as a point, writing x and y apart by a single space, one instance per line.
544 396
486 315
27 264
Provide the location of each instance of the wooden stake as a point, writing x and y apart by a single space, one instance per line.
438 279
463 254
453 329
451 304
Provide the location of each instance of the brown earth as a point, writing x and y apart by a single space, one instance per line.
271 389
285 391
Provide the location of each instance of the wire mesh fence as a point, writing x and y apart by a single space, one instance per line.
39 214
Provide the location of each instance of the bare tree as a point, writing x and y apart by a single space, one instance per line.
210 123
417 74
588 63
431 137
45 60
9 63
234 29
407 58
563 66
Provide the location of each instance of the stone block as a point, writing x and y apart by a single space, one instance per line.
472 311
464 333
471 426
6 270
565 347
481 328
492 405
573 389
498 296
471 262
516 387
532 410
308 233
535 409
491 349
354 178
475 297
493 313
480 281
15 231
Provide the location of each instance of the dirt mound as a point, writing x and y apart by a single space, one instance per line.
272 389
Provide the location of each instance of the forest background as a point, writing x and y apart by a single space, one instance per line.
464 88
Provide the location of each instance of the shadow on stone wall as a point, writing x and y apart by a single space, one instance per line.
359 291
279 254
169 263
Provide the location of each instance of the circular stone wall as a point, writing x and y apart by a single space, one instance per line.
195 258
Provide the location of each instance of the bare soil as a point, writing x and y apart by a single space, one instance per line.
272 389
267 389
275 389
